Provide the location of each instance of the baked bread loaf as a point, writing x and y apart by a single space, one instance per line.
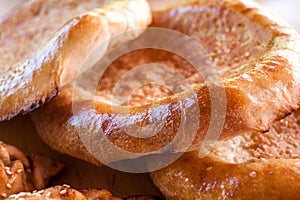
44 43
251 166
21 174
65 192
255 53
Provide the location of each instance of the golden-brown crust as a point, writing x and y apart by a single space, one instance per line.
96 194
17 174
280 142
250 166
55 60
267 89
263 89
193 178
57 192
66 192
68 142
42 170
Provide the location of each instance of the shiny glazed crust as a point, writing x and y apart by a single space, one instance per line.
44 45
266 89
192 178
251 166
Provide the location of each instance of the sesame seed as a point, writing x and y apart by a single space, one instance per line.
41 191
19 171
4 195
8 172
65 185
270 172
48 194
252 174
63 191
247 54
209 168
8 185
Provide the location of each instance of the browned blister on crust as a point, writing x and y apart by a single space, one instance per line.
44 44
257 57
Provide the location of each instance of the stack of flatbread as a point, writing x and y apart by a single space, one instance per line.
235 127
